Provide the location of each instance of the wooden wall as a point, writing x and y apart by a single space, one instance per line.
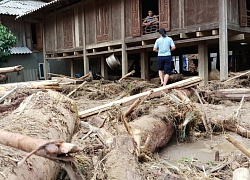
233 11
103 21
63 29
199 12
22 30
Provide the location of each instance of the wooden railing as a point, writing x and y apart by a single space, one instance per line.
153 28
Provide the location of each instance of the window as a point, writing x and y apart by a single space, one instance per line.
41 71
150 13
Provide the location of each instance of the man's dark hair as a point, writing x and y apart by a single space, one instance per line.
162 31
151 11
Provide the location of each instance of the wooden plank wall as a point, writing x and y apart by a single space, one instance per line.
63 29
90 19
128 15
49 32
233 12
109 21
199 12
174 9
17 27
115 20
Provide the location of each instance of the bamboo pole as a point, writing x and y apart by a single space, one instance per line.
238 145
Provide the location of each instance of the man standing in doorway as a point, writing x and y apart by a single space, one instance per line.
164 45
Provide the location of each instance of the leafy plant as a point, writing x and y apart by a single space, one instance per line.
7 40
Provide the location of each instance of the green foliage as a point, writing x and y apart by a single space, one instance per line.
7 40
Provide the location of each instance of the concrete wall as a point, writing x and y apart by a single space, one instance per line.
31 61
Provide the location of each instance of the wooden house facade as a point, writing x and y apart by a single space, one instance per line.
83 30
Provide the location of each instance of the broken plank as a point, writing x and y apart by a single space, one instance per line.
129 100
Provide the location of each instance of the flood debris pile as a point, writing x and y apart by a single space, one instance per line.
122 137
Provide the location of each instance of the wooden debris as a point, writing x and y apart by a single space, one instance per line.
232 126
78 87
241 174
62 76
231 94
11 69
132 107
130 99
46 84
125 122
8 94
235 77
238 145
126 75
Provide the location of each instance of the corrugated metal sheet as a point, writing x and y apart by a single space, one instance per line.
41 7
24 75
17 7
20 50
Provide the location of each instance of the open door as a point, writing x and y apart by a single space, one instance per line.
243 12
164 7
135 20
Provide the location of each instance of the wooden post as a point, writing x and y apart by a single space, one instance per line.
203 62
104 68
144 64
85 58
124 46
72 69
45 61
223 40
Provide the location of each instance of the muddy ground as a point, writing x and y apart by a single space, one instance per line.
188 157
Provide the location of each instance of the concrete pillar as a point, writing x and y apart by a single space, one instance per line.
144 64
203 62
86 65
104 68
223 41
124 46
72 69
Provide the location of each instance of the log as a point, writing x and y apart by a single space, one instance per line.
11 69
235 77
231 94
47 84
43 115
122 163
78 87
129 100
233 126
241 174
238 145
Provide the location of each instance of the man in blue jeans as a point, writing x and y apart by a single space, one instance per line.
164 45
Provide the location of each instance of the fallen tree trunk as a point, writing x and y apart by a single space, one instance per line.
47 84
11 69
129 100
43 115
231 94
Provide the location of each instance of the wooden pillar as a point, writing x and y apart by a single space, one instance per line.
203 62
104 68
223 41
45 61
144 64
72 68
124 46
85 57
